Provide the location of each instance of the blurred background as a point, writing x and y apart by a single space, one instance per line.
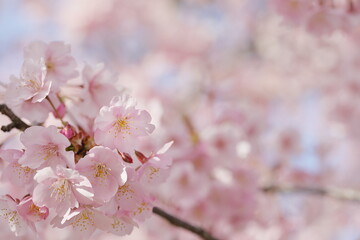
253 92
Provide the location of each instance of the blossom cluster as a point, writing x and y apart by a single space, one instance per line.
79 165
264 102
250 98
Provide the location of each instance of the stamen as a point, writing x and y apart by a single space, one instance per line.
32 84
61 189
101 171
122 126
83 221
50 150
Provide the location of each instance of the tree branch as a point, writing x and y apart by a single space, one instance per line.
16 122
180 223
333 192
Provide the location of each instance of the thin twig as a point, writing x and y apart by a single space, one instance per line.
180 223
333 192
16 122
57 115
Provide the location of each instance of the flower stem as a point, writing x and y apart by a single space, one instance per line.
55 111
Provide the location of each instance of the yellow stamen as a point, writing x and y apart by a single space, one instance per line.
61 189
122 126
50 150
101 171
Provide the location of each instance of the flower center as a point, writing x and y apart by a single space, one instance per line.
33 85
11 216
34 210
101 170
50 150
122 125
61 189
84 220
125 192
153 172
49 66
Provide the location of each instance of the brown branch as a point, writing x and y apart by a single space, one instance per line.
180 223
333 192
16 122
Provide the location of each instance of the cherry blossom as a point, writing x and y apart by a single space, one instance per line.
61 189
21 215
31 85
154 168
11 216
60 65
122 225
80 176
84 221
49 150
31 212
131 200
119 125
254 93
26 94
98 88
105 171
15 172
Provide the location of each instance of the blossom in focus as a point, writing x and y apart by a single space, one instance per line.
122 225
9 213
31 212
84 221
47 150
155 169
131 199
104 169
119 125
62 189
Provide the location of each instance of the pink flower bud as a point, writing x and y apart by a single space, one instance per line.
68 131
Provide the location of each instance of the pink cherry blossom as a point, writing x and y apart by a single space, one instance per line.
62 189
99 88
122 225
105 170
60 65
47 150
155 169
84 221
25 95
31 85
130 201
31 212
119 125
15 172
129 197
9 213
